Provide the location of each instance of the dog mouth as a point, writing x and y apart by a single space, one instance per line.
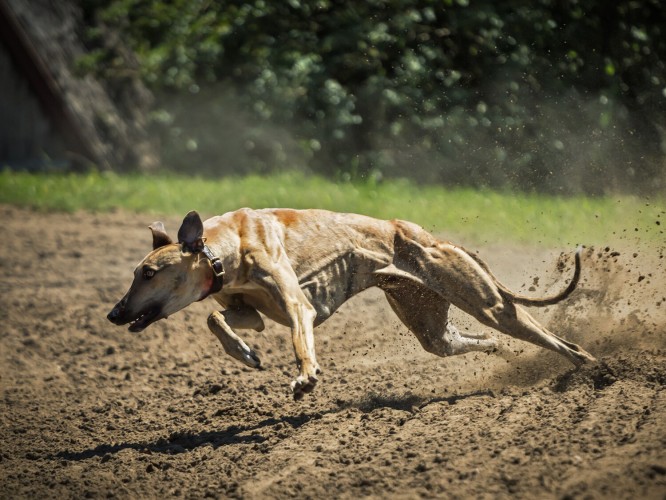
145 319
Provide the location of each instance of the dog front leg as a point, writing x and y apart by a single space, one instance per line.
281 283
232 344
302 316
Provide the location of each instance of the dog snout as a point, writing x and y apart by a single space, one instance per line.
113 315
117 313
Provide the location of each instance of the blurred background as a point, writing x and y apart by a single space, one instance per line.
554 96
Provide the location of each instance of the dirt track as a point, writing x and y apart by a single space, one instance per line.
90 410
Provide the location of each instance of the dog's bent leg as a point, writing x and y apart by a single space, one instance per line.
232 344
462 343
425 313
244 318
452 273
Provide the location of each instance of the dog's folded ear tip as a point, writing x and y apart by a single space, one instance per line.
160 237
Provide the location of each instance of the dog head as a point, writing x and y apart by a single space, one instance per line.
169 278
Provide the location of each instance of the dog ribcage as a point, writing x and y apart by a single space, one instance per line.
331 283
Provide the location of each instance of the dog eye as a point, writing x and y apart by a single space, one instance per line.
148 273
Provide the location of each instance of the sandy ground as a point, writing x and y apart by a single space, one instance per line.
88 409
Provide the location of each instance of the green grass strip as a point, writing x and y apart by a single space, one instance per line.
476 216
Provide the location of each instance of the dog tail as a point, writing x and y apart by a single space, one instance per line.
539 302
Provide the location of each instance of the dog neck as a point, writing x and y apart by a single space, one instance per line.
215 280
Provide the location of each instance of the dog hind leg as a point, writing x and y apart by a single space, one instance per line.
425 313
515 321
463 343
449 271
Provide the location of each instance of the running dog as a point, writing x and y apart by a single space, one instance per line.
297 267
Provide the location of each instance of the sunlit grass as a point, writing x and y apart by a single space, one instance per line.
474 215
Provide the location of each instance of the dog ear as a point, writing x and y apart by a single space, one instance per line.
190 234
160 237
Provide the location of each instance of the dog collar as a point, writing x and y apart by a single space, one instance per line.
218 270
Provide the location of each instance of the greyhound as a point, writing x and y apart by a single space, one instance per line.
297 267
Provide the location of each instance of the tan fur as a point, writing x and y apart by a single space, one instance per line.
298 267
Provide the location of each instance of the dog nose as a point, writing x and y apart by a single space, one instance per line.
113 315
118 311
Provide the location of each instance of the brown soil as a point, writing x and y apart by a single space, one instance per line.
90 410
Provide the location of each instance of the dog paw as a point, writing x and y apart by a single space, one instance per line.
303 385
252 360
581 358
247 356
491 346
235 347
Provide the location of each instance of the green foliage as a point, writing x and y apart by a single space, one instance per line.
559 96
462 214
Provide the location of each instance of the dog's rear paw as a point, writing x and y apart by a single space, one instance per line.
303 385
583 357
